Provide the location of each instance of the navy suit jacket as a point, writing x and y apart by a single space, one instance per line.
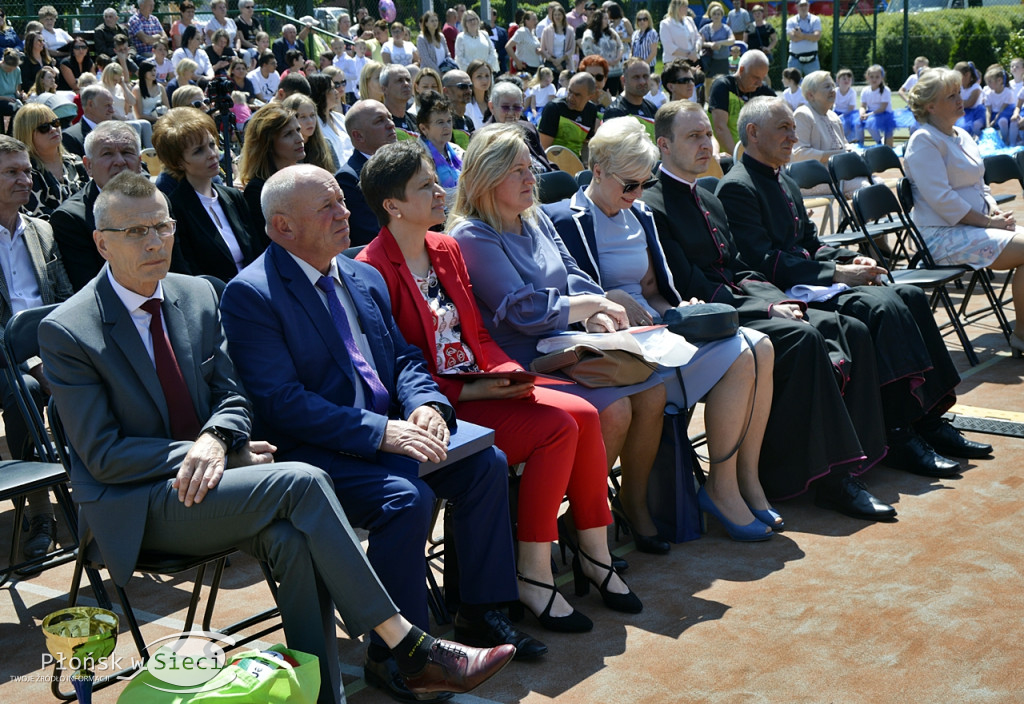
362 223
574 222
294 366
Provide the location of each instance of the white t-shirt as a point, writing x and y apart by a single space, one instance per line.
57 39
657 99
542 96
871 100
266 88
213 25
845 103
399 55
997 101
794 98
966 93
909 83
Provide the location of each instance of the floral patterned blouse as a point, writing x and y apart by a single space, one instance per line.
48 193
452 355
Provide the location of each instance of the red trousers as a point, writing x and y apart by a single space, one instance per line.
558 436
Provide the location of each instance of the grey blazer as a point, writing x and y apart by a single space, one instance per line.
54 285
113 408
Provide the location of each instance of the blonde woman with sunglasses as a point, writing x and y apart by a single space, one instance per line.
56 174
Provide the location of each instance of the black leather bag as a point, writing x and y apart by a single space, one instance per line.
703 322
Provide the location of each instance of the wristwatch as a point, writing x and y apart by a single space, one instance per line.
232 441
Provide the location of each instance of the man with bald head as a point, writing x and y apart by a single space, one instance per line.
459 89
370 127
336 385
730 93
97 107
570 121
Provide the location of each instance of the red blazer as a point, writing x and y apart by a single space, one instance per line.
412 314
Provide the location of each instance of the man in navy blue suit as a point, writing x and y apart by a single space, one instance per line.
335 384
369 127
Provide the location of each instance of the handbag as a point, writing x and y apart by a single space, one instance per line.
703 322
595 368
247 679
671 489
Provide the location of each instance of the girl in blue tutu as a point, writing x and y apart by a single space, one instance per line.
846 107
1001 103
876 106
973 120
904 117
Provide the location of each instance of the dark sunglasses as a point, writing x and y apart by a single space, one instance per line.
629 187
684 80
463 86
339 84
47 126
80 46
599 76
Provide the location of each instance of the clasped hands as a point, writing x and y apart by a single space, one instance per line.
863 271
206 460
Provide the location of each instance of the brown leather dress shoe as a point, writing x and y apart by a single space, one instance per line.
453 667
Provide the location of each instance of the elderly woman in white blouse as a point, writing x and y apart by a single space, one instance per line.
472 44
819 131
679 36
952 205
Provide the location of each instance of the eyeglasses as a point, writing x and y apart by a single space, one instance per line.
633 185
137 233
463 86
47 126
511 108
339 84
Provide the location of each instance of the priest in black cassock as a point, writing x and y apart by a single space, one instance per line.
774 235
825 425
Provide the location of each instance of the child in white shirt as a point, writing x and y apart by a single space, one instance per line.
876 106
791 78
1001 104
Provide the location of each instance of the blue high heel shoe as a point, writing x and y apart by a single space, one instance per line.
769 516
752 532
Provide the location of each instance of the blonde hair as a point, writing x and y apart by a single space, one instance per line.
371 70
185 96
30 116
928 88
317 151
620 145
716 6
492 153
677 10
541 72
183 66
112 74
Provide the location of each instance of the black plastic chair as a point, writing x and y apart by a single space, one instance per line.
709 183
810 174
555 186
153 562
20 478
877 201
583 178
881 158
1000 168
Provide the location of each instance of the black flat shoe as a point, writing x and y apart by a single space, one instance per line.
574 622
627 603
566 542
852 498
912 453
650 544
384 675
493 629
947 440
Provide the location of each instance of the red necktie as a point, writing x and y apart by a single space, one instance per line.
184 423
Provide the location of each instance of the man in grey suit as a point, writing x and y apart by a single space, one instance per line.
162 459
31 275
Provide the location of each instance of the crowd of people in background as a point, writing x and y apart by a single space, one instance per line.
396 135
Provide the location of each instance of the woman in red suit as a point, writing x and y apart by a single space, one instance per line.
557 435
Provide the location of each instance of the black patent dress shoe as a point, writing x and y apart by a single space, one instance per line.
494 628
947 440
912 453
852 498
384 674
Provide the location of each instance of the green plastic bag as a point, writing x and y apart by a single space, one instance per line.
235 685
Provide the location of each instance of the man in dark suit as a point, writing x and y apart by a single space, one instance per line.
290 39
834 412
111 148
31 275
369 127
97 106
917 377
162 457
337 386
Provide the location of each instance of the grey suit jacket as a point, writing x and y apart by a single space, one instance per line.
54 285
113 408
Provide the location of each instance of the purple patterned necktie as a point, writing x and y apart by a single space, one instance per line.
378 395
